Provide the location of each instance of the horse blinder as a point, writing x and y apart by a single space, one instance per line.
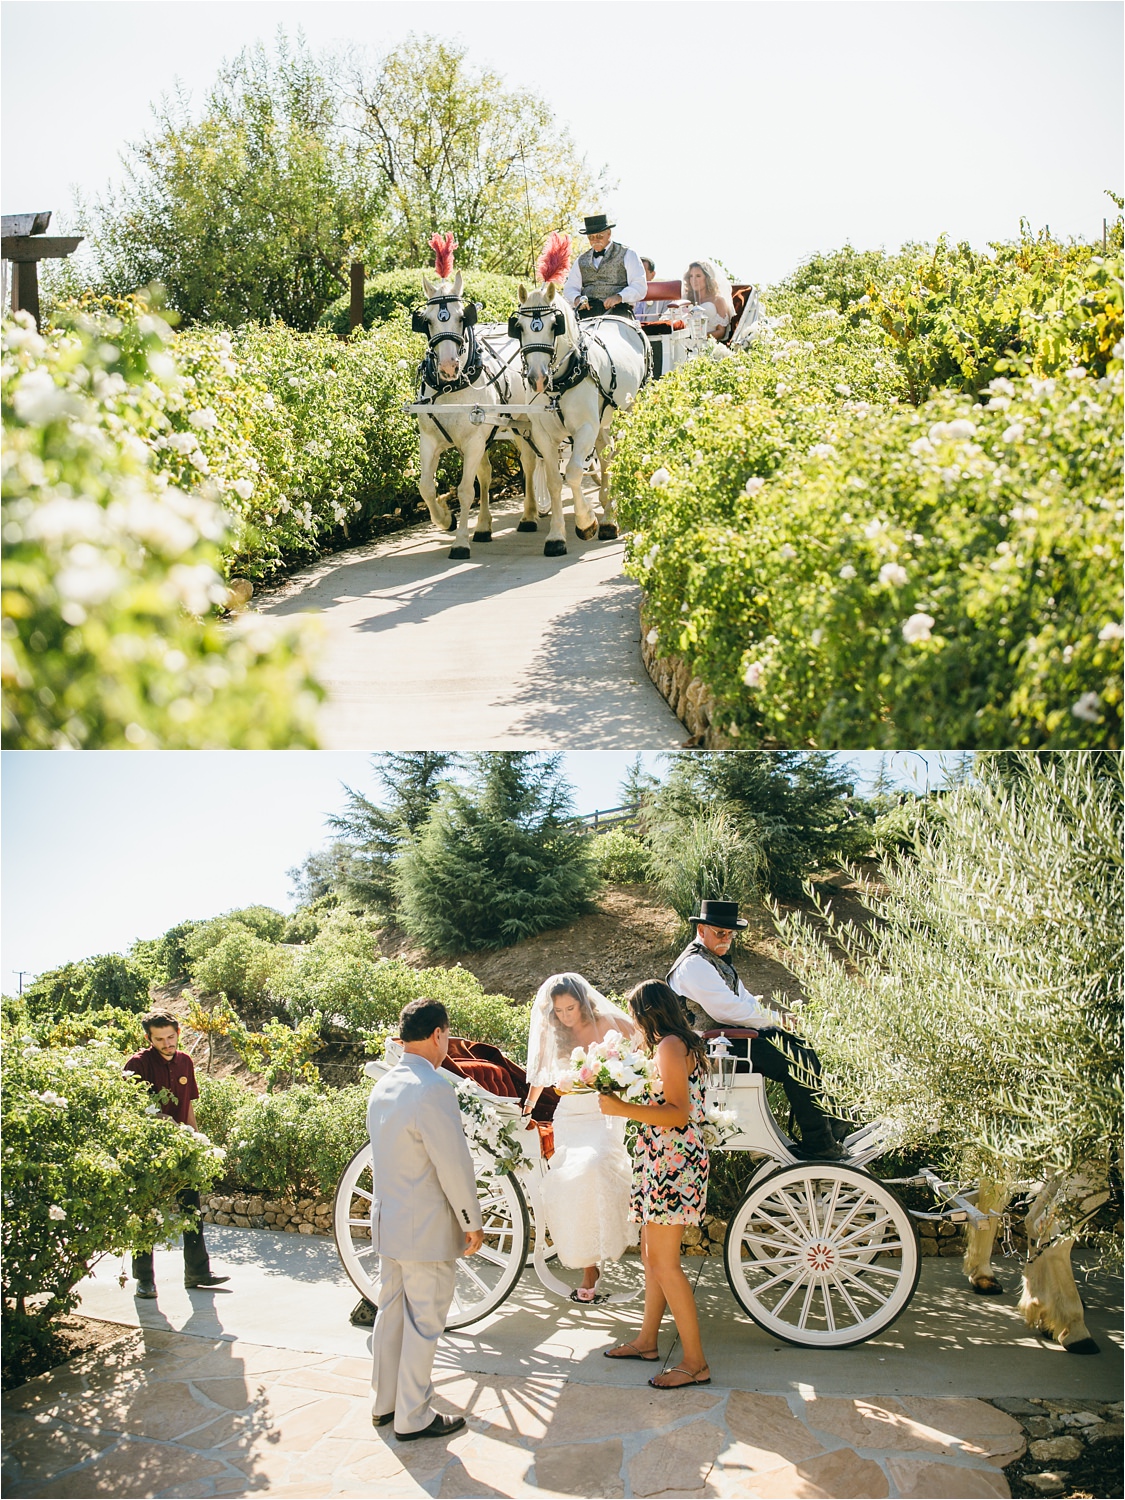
419 323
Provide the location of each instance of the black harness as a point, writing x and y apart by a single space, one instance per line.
480 359
577 365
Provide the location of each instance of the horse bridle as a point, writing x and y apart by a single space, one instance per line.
540 318
419 323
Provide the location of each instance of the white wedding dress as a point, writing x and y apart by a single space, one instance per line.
586 1190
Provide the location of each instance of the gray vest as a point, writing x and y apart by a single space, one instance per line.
610 278
700 1020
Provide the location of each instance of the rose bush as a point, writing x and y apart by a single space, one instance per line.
844 569
112 573
91 1167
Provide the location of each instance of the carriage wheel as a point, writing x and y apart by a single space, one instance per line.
821 1254
482 1281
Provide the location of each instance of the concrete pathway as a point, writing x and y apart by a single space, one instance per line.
264 1389
510 650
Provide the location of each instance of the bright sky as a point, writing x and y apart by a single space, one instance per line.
757 133
104 847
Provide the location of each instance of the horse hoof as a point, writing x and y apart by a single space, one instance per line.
607 532
527 526
1083 1346
987 1286
584 533
459 553
482 536
554 549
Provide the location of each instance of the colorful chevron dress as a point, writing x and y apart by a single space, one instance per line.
670 1166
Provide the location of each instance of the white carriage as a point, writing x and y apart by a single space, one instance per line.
820 1254
677 331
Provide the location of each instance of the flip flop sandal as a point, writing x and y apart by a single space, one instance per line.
640 1354
680 1384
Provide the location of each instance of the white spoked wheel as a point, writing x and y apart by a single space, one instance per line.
822 1254
483 1280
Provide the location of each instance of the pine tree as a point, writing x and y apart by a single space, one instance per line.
497 861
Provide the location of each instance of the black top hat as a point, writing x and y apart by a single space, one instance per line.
596 224
719 914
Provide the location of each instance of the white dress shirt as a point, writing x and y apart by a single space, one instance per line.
633 291
695 979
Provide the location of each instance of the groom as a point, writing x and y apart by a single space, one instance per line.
424 1215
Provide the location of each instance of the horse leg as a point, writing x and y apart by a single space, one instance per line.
585 523
980 1238
430 450
1050 1302
483 533
607 526
555 545
528 463
472 454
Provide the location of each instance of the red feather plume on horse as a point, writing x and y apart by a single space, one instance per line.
554 262
443 246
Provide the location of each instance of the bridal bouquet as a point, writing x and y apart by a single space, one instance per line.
611 1066
719 1126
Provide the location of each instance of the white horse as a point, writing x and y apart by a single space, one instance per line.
580 374
464 369
1049 1302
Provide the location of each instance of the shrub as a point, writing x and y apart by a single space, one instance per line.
620 858
107 980
164 959
706 856
391 296
246 968
472 1013
111 572
90 1167
844 571
293 1144
496 862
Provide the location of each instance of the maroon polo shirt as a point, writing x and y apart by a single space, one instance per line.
176 1075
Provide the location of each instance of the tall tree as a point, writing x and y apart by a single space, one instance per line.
499 860
253 211
458 151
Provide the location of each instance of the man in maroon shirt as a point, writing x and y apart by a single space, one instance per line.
165 1068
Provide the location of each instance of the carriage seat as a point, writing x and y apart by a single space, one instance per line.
487 1066
662 291
735 1034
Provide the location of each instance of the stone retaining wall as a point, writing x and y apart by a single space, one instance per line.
251 1211
687 696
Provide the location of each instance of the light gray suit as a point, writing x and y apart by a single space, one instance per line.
425 1201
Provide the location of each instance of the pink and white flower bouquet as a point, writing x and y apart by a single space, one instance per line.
612 1066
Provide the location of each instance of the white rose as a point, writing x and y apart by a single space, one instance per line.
752 676
244 488
205 419
1088 708
753 485
660 478
894 574
917 628
56 1213
1111 632
847 571
1013 433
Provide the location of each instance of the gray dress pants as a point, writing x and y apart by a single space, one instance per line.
413 1297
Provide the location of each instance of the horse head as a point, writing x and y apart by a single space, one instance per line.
544 326
445 320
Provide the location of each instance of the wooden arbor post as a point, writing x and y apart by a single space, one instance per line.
355 309
25 243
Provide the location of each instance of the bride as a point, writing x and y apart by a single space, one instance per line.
586 1189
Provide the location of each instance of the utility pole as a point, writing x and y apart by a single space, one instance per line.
19 973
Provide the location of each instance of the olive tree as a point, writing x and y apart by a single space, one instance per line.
980 1013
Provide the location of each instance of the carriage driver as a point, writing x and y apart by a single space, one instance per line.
706 980
606 278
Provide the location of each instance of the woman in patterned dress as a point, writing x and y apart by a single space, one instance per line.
669 1179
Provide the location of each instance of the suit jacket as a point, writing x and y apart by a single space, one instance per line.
425 1190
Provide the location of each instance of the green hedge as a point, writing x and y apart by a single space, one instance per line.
390 297
293 1144
112 570
797 524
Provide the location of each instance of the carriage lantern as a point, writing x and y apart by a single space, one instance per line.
723 1063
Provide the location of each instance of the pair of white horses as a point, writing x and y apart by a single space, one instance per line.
571 377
